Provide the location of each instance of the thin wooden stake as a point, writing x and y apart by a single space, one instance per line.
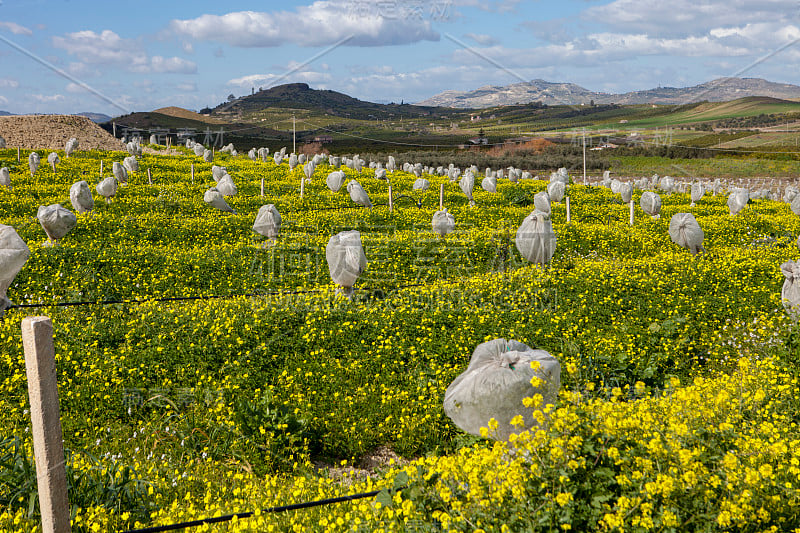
441 196
569 215
149 178
101 169
630 221
17 154
302 186
262 186
391 202
48 445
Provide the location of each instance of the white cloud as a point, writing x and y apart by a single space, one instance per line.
268 80
322 23
75 88
687 17
8 83
108 48
600 48
48 98
481 38
187 87
172 64
15 28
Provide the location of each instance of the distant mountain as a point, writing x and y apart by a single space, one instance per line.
5 114
719 90
517 93
301 96
98 118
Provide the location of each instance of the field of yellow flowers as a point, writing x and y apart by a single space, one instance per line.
679 402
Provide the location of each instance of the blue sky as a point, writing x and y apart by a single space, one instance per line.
120 57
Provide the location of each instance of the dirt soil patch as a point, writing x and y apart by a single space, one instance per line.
34 132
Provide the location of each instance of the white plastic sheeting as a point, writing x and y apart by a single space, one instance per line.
495 384
535 238
268 221
686 232
443 222
81 197
346 259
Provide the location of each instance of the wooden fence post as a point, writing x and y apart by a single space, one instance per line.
48 446
391 203
569 215
441 196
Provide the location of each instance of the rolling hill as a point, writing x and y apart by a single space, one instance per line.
301 96
719 90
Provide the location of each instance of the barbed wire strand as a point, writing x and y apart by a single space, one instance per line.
249 514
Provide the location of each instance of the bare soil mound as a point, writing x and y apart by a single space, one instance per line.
179 112
53 131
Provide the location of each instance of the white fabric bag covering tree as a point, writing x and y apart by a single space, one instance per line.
697 193
535 239
215 199
13 254
226 187
198 149
499 377
467 183
335 180
292 161
686 232
789 193
737 199
541 200
790 292
358 194
268 221
217 172
208 156
346 259
795 205
5 177
391 165
71 146
81 197
107 188
56 221
443 222
53 159
309 169
131 164
421 184
380 173
277 157
120 173
252 155
489 184
301 159
650 203
153 139
134 148
2 142
626 192
556 190
33 162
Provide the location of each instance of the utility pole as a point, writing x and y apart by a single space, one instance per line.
584 157
294 136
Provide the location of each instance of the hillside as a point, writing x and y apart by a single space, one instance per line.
301 96
719 90
53 131
179 112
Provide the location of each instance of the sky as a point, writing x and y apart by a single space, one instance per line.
70 56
